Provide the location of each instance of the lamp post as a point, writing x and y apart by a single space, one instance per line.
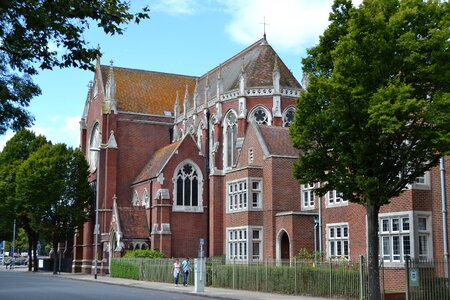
96 229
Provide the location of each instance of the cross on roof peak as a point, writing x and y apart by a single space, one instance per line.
264 26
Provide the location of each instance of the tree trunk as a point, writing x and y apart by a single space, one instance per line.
35 254
55 259
30 254
373 250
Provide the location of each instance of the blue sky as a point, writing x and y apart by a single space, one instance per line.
183 37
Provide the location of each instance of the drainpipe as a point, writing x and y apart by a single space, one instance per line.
151 212
320 224
444 215
208 217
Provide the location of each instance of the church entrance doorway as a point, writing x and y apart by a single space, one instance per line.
283 246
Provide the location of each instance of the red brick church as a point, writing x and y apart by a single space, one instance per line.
185 159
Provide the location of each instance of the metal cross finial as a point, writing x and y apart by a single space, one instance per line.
264 24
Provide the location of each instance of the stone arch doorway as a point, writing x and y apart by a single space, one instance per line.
283 249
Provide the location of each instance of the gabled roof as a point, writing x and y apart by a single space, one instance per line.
275 141
157 162
147 92
154 93
135 219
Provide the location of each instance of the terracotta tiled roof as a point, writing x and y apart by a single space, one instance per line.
148 92
156 162
135 219
277 140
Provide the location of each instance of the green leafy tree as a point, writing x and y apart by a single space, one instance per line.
53 181
28 29
16 151
376 113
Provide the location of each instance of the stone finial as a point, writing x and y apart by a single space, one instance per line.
276 76
305 81
110 91
206 90
219 83
195 97
97 58
186 102
176 109
242 80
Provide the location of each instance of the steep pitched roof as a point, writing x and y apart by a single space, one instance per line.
275 140
147 92
259 62
157 162
135 219
154 93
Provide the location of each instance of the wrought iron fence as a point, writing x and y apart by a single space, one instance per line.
296 277
427 279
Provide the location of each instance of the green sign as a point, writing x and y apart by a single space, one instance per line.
414 277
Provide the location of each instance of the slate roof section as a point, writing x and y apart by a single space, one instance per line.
157 162
259 62
135 219
148 92
277 141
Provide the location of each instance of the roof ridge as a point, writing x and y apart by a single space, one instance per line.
248 49
148 71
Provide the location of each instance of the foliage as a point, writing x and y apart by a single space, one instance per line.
304 254
143 254
53 184
29 33
376 113
16 151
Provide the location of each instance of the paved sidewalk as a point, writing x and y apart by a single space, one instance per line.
209 292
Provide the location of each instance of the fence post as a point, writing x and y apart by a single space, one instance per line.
331 278
361 278
234 262
257 277
267 276
407 259
295 276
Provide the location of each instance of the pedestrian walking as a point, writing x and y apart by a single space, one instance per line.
176 267
186 265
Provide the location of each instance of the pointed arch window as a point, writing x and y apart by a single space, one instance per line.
188 187
288 116
135 200
94 143
261 116
145 199
231 130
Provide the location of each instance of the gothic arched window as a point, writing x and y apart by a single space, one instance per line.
188 187
231 130
145 201
135 199
261 116
288 116
94 143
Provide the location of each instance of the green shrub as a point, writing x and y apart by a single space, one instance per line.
143 254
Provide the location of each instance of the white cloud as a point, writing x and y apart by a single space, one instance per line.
65 130
5 138
175 7
293 25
